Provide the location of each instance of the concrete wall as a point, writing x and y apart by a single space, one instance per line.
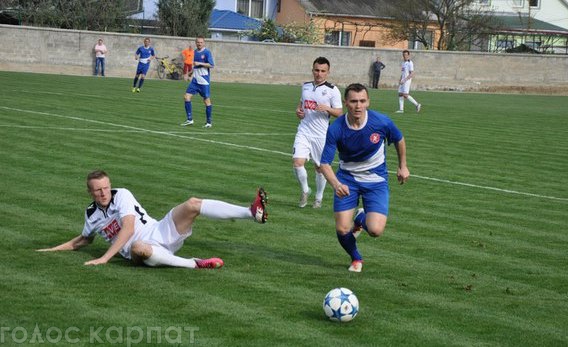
71 52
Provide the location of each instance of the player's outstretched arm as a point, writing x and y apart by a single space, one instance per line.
71 245
402 172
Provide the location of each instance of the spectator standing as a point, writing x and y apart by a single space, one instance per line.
187 55
378 66
100 55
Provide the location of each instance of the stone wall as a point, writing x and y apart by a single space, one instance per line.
71 52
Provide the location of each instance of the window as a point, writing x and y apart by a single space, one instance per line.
518 3
338 38
534 3
364 43
251 8
504 44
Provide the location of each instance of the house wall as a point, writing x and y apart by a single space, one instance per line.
554 12
71 52
291 12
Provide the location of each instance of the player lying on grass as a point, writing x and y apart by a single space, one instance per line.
361 136
121 220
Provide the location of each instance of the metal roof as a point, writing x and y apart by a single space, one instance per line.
229 20
525 24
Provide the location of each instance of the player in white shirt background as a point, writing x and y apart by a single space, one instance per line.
406 76
319 101
116 215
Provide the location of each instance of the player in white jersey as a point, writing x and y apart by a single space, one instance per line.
361 137
319 101
124 223
406 76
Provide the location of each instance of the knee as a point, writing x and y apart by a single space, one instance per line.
187 97
193 205
343 228
376 232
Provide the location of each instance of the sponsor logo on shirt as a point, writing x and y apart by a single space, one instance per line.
111 230
310 105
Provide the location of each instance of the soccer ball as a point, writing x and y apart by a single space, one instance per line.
341 305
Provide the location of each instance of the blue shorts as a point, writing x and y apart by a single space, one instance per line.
203 89
375 195
142 68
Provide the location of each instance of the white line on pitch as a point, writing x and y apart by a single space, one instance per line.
292 111
204 132
487 188
278 152
145 130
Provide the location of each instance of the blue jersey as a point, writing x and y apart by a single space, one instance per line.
361 151
201 73
144 54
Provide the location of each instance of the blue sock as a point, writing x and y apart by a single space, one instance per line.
349 244
135 80
362 219
188 110
140 83
208 110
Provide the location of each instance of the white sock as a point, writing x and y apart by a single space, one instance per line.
411 99
302 176
401 103
320 186
162 257
222 210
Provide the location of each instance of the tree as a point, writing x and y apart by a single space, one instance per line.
268 31
99 15
187 18
291 32
455 23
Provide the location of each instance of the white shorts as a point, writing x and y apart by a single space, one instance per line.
405 87
164 234
308 147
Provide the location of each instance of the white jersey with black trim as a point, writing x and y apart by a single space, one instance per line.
315 123
406 69
108 222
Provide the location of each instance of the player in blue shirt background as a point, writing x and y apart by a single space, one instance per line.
144 55
361 136
200 83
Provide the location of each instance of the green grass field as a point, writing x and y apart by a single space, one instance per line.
475 252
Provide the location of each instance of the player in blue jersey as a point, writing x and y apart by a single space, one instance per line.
200 83
144 55
361 137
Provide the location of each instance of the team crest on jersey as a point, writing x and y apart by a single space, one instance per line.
324 93
203 56
375 138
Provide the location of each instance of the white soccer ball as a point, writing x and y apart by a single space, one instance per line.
341 305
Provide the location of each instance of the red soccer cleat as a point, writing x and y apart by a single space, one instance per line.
258 207
211 263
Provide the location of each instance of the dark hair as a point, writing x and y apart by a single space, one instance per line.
355 87
321 61
406 51
95 175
